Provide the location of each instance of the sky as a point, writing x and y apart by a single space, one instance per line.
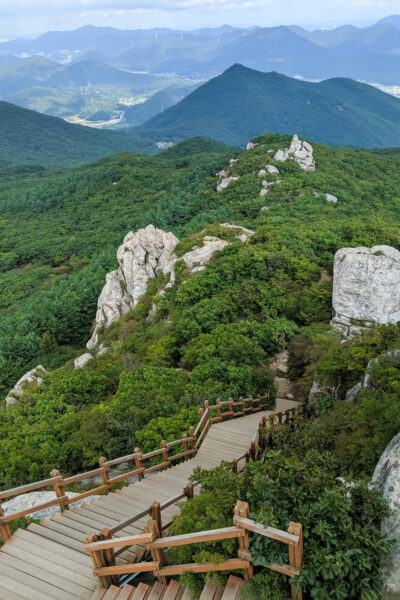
32 17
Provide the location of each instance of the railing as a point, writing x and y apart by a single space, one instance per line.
190 444
103 552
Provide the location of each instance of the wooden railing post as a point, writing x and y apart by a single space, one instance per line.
98 560
139 463
235 466
155 514
230 408
242 509
185 445
157 554
189 491
191 434
296 556
261 435
253 450
271 421
251 400
106 473
109 555
165 451
247 456
280 416
59 490
5 531
218 403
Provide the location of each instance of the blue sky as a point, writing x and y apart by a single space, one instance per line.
28 17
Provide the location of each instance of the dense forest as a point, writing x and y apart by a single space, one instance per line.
213 335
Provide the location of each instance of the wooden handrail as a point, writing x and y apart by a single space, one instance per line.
270 532
225 533
193 439
155 543
30 487
140 538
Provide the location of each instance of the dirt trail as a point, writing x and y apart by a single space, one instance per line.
287 390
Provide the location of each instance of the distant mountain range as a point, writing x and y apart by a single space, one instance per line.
29 138
83 88
204 53
243 103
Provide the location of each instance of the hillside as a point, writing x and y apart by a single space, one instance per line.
242 103
31 138
212 334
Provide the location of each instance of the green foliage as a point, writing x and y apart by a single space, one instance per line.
343 545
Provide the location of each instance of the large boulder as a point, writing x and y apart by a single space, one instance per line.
387 479
299 151
32 378
366 288
141 256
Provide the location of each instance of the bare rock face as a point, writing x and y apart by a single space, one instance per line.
33 377
387 479
142 255
366 288
82 360
300 151
331 198
251 145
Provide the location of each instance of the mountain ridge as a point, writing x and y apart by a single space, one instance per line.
337 111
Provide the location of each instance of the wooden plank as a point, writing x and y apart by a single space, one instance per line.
99 593
111 593
231 564
6 594
37 558
232 588
82 563
157 591
126 592
57 537
187 595
141 592
271 532
31 587
172 590
29 511
64 585
29 487
197 537
209 590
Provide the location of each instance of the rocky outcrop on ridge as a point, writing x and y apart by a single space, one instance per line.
34 377
366 288
141 256
386 477
224 179
300 151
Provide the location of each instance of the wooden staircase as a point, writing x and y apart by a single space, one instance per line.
171 591
48 561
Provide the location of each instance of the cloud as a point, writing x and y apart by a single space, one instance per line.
34 16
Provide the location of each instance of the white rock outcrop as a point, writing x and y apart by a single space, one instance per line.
300 151
243 234
197 258
331 198
142 255
251 145
225 182
386 477
34 377
366 288
82 360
